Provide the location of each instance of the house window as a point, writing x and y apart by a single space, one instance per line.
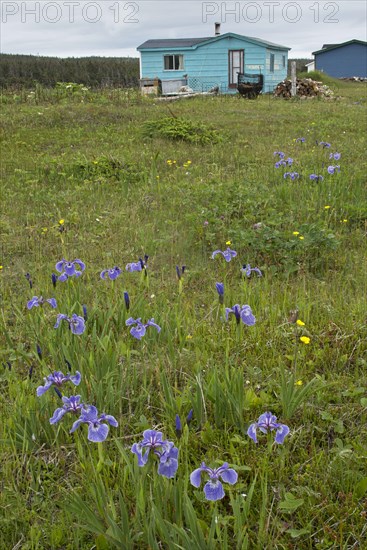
272 58
283 61
235 66
173 62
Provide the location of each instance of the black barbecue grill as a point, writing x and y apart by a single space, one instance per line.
250 85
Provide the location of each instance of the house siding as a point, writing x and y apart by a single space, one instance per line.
346 61
279 73
207 65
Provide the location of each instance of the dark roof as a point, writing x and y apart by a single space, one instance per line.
172 43
190 42
328 47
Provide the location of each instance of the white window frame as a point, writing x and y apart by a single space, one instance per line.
173 56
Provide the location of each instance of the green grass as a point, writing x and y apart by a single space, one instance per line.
87 160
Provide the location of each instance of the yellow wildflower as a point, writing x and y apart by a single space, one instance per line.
305 339
296 233
1 267
327 207
228 242
188 337
301 238
300 323
345 221
299 383
61 222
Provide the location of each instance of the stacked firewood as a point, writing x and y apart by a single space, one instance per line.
305 87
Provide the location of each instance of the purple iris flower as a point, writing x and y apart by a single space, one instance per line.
71 404
54 279
85 312
180 271
178 425
213 489
243 314
57 378
333 169
178 422
227 254
39 351
284 162
140 329
280 154
97 429
316 177
324 144
138 266
29 279
135 266
335 156
247 270
58 392
164 449
127 300
68 365
292 175
268 422
76 323
220 290
112 273
69 269
35 302
189 417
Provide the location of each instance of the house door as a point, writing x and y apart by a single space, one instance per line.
235 66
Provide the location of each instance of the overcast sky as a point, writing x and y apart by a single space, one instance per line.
79 28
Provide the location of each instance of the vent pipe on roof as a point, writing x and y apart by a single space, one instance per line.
217 29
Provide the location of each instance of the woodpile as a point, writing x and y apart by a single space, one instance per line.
305 88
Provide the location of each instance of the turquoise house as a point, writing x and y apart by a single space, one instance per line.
206 63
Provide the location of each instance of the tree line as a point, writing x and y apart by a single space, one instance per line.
95 72
25 71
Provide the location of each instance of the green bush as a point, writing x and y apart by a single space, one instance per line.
181 129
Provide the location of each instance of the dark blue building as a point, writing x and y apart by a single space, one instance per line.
342 60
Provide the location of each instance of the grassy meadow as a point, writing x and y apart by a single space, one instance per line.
110 177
